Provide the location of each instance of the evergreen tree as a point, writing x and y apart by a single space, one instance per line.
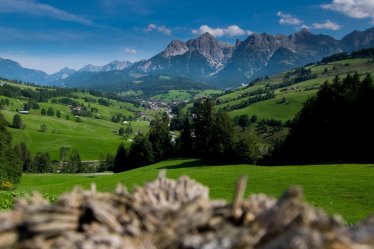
247 149
128 130
186 144
43 112
333 126
74 162
121 131
254 119
17 122
50 111
42 163
64 152
203 123
58 114
107 163
141 153
243 121
221 140
10 163
160 138
121 159
24 154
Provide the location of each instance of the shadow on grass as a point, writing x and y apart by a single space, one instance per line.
191 164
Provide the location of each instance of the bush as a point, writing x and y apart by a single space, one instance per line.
6 185
43 128
17 122
50 111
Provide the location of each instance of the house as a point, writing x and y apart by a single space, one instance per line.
24 112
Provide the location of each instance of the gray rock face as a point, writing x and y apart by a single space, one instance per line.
263 54
358 39
174 48
61 75
111 66
196 59
115 66
208 60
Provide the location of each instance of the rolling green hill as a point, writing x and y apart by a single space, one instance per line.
289 88
344 189
93 137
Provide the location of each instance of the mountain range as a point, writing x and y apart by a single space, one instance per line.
205 59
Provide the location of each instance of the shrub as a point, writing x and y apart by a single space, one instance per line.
43 128
17 122
6 185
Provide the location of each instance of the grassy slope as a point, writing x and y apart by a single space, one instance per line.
93 137
184 95
344 189
294 99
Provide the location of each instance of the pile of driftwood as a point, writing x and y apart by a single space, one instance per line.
176 214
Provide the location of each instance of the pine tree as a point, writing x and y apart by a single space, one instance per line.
160 138
10 163
120 159
141 152
50 111
17 122
25 155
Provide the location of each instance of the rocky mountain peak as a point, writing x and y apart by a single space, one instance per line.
175 47
66 70
115 66
209 47
204 42
90 68
304 31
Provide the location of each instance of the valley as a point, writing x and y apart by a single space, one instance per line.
138 126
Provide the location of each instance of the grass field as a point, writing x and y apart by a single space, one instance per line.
271 109
344 189
92 137
184 95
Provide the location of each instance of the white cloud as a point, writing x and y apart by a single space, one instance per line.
326 25
35 8
162 29
231 31
288 19
358 9
130 51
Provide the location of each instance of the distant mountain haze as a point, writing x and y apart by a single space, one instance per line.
207 60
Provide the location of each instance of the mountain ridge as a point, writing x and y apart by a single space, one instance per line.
208 60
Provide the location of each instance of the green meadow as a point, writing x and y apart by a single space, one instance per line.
345 189
294 95
93 137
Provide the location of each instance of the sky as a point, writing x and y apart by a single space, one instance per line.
51 34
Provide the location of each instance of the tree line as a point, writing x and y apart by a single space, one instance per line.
334 126
362 53
204 133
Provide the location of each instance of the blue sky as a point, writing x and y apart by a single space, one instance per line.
51 34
